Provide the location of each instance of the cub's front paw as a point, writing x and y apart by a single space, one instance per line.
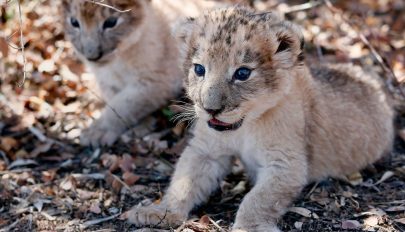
100 133
155 216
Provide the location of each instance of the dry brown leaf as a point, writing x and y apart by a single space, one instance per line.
49 175
24 178
3 165
68 183
35 103
130 178
20 154
350 224
239 188
126 163
320 199
384 177
205 220
179 128
95 208
110 161
47 66
8 143
85 195
3 222
3 47
371 221
355 178
178 148
298 225
116 186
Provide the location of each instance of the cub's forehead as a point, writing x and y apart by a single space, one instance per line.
234 32
225 24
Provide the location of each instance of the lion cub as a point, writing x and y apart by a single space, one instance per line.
255 99
132 54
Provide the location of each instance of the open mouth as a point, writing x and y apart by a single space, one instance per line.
223 126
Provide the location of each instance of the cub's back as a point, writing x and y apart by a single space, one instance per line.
352 119
348 83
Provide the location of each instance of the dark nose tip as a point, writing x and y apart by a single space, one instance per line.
213 112
95 58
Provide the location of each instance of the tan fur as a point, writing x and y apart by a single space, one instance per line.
135 62
300 124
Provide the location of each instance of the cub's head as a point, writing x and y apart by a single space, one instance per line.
238 64
97 31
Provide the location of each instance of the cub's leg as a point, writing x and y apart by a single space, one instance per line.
276 187
130 105
197 174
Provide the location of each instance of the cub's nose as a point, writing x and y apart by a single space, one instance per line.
93 54
214 112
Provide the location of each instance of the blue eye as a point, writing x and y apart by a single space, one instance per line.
74 22
199 70
242 74
110 23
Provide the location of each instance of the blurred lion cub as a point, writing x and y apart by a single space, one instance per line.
132 55
255 99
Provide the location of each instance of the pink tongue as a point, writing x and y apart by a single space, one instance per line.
219 123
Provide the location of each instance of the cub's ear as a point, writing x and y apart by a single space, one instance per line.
183 29
289 44
65 4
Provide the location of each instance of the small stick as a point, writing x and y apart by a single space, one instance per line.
98 221
122 182
216 225
312 190
301 7
100 3
22 46
40 136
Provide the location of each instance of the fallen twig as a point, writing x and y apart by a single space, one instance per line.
312 190
40 136
98 221
100 3
301 7
95 176
94 156
22 45
216 225
122 182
